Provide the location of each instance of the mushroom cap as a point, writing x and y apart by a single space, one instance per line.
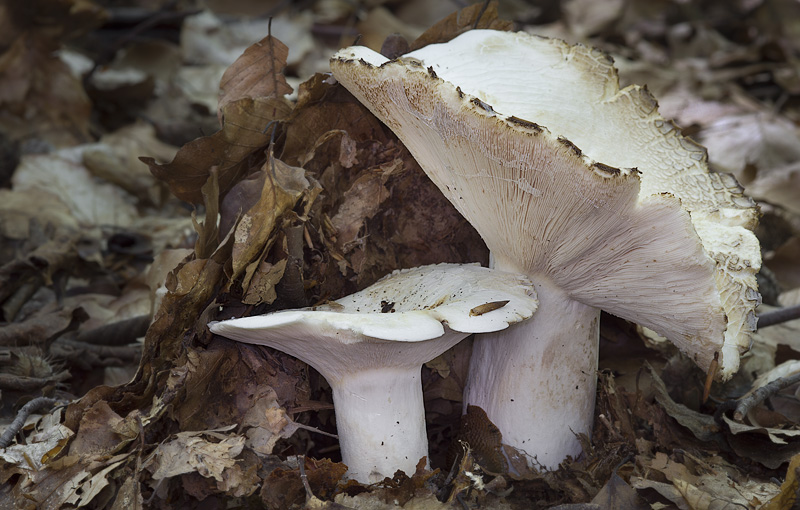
632 222
405 319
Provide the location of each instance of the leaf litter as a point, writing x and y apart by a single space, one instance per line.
298 201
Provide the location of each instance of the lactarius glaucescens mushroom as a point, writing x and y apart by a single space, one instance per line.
370 347
586 189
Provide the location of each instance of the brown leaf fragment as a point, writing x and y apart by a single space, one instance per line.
242 479
764 446
190 452
71 481
477 15
116 160
361 202
701 425
56 20
483 439
284 487
262 285
42 264
242 134
618 494
39 96
787 497
281 188
96 434
188 296
185 277
41 329
129 496
322 108
245 379
256 73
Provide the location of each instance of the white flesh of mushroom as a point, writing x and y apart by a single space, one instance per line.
495 119
370 347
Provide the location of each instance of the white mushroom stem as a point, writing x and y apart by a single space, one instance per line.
536 380
370 346
381 422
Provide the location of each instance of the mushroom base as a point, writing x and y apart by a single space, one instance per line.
536 380
380 417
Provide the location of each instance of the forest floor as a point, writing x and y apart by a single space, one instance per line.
139 147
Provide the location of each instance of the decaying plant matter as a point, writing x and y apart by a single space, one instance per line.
297 195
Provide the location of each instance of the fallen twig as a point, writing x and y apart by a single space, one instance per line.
87 356
34 406
117 333
778 316
22 383
748 402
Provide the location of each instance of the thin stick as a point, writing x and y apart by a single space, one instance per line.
778 316
748 402
712 372
34 406
304 478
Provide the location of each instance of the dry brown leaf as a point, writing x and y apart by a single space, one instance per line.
19 208
92 203
242 134
98 432
245 371
701 425
323 108
360 203
189 295
379 23
40 329
23 458
262 284
477 15
257 73
281 188
53 19
780 186
284 487
189 452
242 479
783 262
116 160
775 435
71 480
588 17
672 470
39 96
208 229
129 496
786 498
618 494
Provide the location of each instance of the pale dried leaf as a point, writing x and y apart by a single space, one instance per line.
775 435
91 203
189 453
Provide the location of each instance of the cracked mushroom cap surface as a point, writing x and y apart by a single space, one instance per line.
569 178
393 321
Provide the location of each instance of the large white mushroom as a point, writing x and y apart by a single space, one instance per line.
589 191
370 347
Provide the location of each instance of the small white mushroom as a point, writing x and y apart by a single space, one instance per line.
586 189
370 347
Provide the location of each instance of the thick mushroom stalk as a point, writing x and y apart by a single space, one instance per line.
589 191
370 347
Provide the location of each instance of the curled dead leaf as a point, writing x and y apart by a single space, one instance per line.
256 73
242 134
